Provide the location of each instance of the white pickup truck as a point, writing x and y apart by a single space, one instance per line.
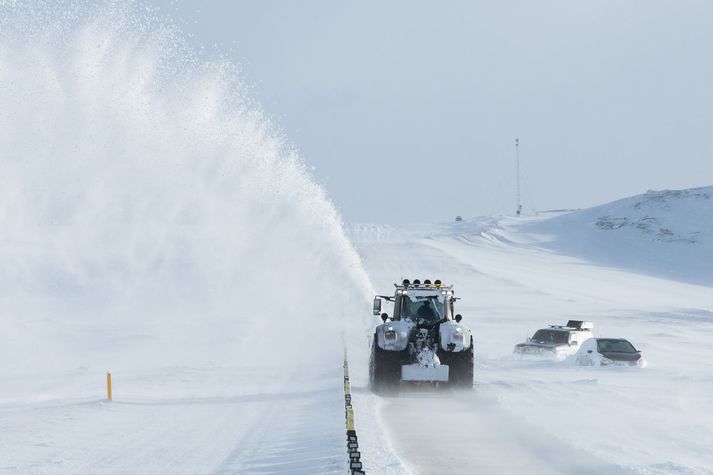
556 342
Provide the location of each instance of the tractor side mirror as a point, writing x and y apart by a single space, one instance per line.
528 339
459 317
384 317
377 305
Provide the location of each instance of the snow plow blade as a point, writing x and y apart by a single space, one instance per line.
414 372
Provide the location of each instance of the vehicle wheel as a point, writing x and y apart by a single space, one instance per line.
384 369
461 366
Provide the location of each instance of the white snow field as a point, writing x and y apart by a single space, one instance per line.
514 276
155 225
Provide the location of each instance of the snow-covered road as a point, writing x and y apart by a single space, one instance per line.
546 417
165 423
460 433
523 416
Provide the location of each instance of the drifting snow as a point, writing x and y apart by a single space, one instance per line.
153 223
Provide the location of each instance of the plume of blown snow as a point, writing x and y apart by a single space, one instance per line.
150 214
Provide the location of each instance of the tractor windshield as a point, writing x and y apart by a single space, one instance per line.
426 308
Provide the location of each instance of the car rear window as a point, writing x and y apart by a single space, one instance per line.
605 345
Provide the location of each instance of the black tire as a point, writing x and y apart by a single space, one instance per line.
384 369
461 366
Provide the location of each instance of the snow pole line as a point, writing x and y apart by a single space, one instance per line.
355 466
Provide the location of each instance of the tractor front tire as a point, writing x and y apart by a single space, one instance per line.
461 366
384 369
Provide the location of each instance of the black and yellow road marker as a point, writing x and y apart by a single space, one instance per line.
355 465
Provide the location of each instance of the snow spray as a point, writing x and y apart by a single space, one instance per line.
150 213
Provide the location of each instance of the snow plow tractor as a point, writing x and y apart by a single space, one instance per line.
422 342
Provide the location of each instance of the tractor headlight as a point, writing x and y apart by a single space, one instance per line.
457 336
390 335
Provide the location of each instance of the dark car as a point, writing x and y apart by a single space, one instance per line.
608 352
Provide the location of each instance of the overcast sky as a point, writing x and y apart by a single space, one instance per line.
408 110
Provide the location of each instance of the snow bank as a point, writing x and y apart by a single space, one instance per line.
662 233
150 215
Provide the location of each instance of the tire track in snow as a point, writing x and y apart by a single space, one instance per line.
292 436
456 433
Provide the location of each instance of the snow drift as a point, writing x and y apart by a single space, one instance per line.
150 214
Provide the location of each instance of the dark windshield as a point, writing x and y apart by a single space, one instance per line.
426 308
605 345
551 336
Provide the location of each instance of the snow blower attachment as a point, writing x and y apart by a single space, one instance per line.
424 340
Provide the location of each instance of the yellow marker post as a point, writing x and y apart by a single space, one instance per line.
108 386
350 419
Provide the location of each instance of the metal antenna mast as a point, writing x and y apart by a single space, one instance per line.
518 210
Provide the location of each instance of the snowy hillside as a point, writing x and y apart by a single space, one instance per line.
664 233
665 216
